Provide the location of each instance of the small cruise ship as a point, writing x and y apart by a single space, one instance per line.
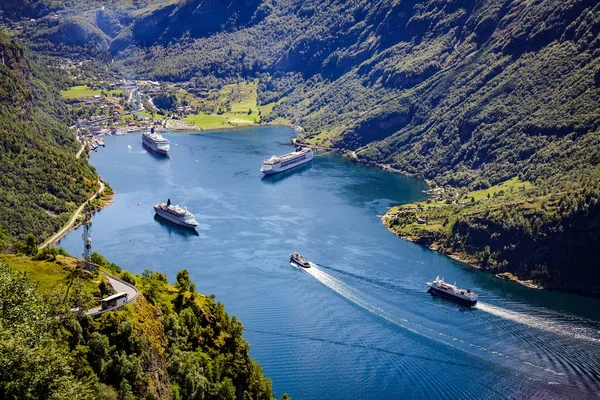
156 142
296 260
276 164
440 288
176 214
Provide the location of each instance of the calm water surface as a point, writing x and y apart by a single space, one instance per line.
361 325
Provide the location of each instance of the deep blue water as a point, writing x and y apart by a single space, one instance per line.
361 325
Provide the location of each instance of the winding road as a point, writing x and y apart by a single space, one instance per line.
82 147
71 222
119 286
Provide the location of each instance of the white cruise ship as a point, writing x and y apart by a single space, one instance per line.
156 142
176 214
282 163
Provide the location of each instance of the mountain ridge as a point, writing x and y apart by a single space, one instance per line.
466 94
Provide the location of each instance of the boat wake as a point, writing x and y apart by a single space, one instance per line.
360 300
544 324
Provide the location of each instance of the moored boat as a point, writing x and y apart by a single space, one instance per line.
296 260
156 142
451 292
277 164
175 214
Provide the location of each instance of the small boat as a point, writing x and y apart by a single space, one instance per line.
296 260
440 288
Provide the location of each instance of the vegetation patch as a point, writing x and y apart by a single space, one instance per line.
82 92
171 343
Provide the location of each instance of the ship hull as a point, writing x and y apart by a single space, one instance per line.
171 218
149 144
299 265
465 302
273 171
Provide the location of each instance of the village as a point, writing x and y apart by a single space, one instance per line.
118 107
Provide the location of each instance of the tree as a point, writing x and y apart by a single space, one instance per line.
4 240
183 281
31 245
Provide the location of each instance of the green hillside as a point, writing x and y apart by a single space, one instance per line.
41 182
172 343
466 94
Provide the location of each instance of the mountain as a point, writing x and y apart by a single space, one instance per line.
466 94
41 182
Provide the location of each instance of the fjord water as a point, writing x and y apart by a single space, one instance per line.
360 325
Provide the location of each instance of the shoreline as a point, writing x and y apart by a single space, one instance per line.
73 223
196 128
462 260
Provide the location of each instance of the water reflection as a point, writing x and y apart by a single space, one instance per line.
174 228
274 179
154 154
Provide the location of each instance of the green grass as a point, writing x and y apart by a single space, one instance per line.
223 121
207 121
442 210
83 92
243 96
48 275
511 186
235 99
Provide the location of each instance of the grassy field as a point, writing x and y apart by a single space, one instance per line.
446 206
83 92
243 97
48 275
223 121
266 109
230 106
206 120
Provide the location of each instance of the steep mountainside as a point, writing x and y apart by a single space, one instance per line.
41 182
467 94
464 92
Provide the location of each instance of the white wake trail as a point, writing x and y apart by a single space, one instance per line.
544 324
356 298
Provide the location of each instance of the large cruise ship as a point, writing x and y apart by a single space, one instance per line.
282 163
156 142
176 214
451 292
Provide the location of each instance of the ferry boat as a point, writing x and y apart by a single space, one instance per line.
440 288
276 164
296 260
176 214
156 142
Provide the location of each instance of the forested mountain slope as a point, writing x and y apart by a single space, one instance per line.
467 94
464 92
41 182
